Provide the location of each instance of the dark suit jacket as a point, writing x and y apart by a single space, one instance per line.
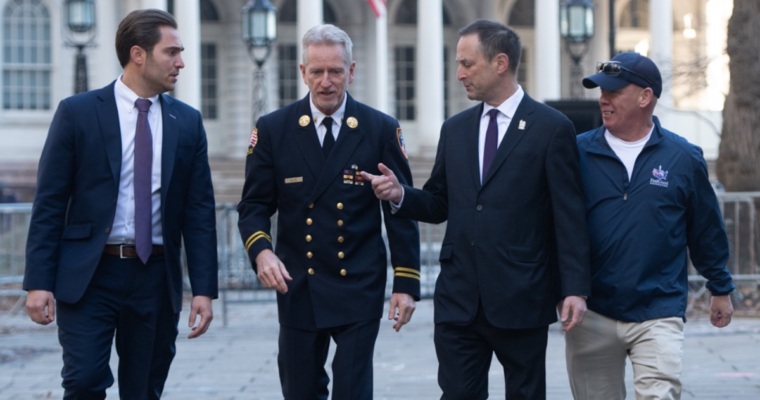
77 188
328 221
517 243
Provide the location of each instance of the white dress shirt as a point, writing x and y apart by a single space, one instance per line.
319 116
123 229
504 117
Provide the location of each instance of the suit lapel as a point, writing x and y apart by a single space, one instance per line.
516 130
471 143
170 137
108 115
348 139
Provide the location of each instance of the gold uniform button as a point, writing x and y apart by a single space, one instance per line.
341 255
343 272
311 205
309 254
340 206
308 238
340 239
340 222
309 221
310 271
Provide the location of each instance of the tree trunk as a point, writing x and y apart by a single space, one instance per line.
738 164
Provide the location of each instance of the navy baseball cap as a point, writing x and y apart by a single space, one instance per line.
623 69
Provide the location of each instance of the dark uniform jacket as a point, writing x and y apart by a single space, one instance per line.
328 220
517 243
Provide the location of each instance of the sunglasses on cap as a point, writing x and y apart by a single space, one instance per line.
613 68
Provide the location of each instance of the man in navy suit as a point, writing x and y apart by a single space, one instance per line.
516 245
84 236
329 266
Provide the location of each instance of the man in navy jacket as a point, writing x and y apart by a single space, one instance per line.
648 201
81 256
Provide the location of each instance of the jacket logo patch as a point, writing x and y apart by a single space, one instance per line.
660 177
401 142
352 176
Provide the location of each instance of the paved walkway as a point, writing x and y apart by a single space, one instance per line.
239 361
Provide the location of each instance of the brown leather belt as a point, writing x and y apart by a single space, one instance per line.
128 250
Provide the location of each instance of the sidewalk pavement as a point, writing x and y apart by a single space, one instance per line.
240 361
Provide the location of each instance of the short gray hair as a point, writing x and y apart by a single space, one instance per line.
330 35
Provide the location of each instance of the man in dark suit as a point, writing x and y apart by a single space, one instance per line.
329 269
516 244
123 179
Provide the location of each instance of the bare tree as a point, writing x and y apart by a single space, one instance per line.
738 164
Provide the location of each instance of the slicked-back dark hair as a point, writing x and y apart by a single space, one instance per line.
496 38
141 28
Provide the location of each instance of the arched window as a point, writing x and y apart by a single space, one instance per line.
26 57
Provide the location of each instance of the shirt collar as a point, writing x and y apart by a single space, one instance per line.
337 116
509 106
127 96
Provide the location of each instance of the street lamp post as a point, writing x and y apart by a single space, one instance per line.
576 26
259 32
80 20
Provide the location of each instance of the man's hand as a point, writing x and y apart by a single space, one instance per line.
401 309
721 311
40 305
386 186
272 272
571 311
200 307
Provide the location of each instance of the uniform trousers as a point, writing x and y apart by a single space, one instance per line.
303 354
596 351
464 359
130 302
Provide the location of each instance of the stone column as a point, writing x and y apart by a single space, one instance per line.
661 44
429 75
309 13
547 51
188 88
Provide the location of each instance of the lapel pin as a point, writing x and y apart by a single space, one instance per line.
352 122
304 120
521 125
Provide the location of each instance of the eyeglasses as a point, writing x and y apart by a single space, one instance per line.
613 68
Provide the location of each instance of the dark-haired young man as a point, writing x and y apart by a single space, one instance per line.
123 180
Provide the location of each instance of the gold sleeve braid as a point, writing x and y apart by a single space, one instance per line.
256 236
405 272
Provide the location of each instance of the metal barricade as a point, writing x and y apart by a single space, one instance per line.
14 226
238 282
743 230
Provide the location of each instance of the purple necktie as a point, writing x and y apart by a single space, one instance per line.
492 134
142 182
329 140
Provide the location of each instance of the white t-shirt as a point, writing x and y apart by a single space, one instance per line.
627 151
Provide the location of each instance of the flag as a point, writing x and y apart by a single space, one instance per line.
378 7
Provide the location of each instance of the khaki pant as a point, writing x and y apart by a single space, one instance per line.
596 351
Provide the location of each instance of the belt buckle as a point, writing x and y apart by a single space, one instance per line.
121 251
